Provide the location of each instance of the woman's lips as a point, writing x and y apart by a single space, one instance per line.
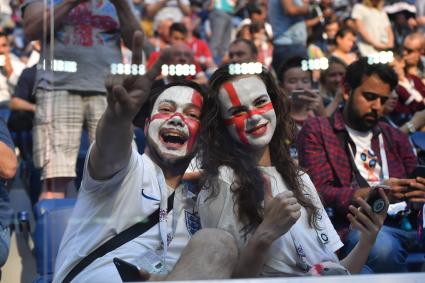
258 130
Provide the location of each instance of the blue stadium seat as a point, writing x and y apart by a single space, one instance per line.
51 219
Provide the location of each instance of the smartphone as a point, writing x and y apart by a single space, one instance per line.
374 199
418 172
128 272
295 95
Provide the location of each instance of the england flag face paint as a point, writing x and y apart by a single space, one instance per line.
248 111
174 123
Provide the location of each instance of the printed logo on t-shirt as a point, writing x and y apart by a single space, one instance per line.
89 24
193 222
369 159
148 197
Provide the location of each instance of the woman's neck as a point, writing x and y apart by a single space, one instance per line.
262 157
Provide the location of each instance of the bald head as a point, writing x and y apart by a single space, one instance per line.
181 53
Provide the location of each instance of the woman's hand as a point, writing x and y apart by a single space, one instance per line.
366 221
280 213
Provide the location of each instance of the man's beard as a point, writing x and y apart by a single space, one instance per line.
364 123
164 161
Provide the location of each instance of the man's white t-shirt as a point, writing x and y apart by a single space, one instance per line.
365 158
105 208
318 245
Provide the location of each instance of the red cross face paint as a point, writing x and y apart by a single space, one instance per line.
174 123
248 111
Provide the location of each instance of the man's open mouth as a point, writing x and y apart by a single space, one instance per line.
172 138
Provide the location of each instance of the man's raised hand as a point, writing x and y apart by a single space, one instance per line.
127 94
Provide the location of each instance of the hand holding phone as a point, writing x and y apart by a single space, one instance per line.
375 200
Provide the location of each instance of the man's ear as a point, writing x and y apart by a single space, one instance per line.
346 91
145 129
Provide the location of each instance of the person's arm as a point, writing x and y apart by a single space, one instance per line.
128 21
126 95
8 161
35 13
17 103
369 224
153 8
333 106
361 29
417 122
291 9
390 36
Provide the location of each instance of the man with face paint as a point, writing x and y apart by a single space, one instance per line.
120 188
253 189
351 152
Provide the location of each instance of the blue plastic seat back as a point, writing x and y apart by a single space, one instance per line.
51 216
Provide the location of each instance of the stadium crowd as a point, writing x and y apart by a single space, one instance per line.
312 164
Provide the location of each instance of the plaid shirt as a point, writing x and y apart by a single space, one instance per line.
325 160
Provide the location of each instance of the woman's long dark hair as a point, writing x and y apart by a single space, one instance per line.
220 149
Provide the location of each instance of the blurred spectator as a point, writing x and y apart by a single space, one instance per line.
180 53
344 42
158 10
22 103
297 84
287 18
411 126
242 51
331 29
400 14
257 13
420 15
321 12
410 91
262 42
162 33
220 18
89 36
373 26
8 164
177 33
331 84
5 12
413 48
200 48
10 69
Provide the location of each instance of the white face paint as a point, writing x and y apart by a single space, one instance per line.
248 111
174 123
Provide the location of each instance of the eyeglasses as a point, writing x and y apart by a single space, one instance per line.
369 96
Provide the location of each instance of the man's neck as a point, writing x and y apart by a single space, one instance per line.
413 70
173 172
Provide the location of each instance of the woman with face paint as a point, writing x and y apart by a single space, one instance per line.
253 189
